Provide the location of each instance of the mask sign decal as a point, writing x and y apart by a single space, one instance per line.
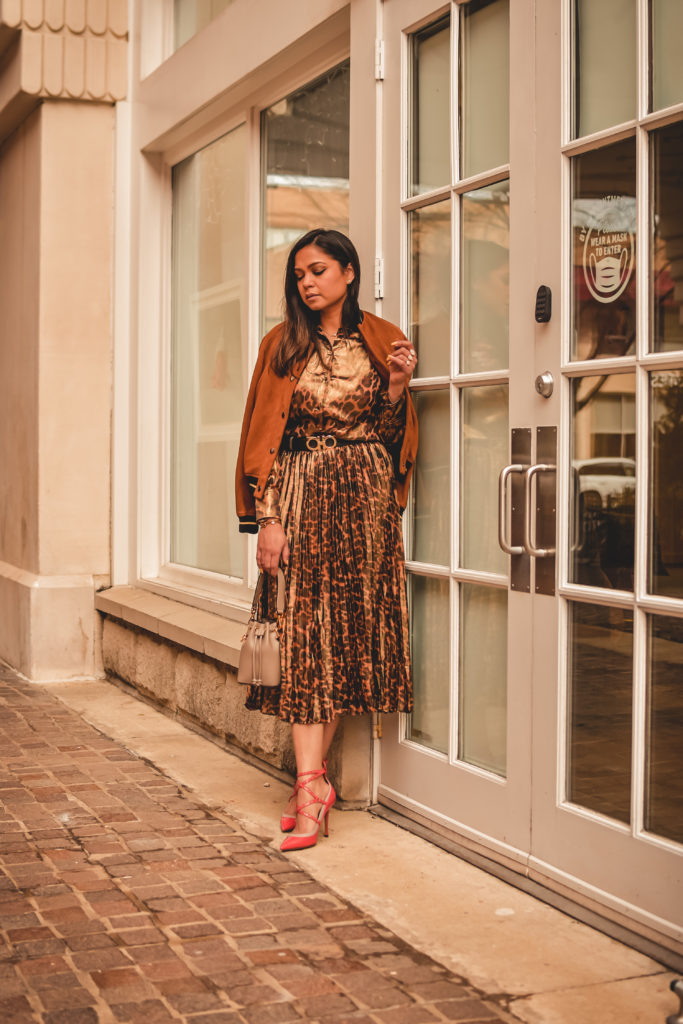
609 247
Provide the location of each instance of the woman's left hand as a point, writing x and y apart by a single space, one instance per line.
401 362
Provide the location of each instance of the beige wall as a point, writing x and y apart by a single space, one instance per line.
19 282
74 370
63 68
56 199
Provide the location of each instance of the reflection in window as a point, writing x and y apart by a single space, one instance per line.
431 156
604 64
306 168
666 483
208 262
664 786
430 632
600 702
604 251
485 277
667 69
604 481
190 16
667 238
430 292
430 497
484 431
484 86
483 677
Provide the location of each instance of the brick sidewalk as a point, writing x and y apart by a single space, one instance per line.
122 899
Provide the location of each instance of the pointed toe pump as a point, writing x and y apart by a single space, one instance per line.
302 840
288 821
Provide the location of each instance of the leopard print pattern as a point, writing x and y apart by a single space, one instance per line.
342 395
345 644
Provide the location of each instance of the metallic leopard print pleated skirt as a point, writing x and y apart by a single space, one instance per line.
345 648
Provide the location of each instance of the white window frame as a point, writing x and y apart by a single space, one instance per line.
641 362
455 380
156 134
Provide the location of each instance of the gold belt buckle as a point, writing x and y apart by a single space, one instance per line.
317 441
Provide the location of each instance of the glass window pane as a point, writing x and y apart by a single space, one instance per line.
603 481
485 278
604 64
484 86
667 68
604 241
306 155
666 483
430 292
430 502
664 786
484 426
190 16
430 127
430 647
600 698
666 287
483 677
208 260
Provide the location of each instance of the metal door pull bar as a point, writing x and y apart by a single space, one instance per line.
508 548
529 541
676 987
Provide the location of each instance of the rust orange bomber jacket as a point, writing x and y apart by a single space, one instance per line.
267 410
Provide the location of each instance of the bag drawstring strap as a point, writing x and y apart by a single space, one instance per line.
255 615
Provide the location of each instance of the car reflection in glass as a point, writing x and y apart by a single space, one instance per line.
604 503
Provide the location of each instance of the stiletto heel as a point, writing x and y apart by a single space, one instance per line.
288 821
302 840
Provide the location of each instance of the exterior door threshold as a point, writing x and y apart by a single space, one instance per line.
572 907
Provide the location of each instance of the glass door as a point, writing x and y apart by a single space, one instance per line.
607 804
533 239
464 754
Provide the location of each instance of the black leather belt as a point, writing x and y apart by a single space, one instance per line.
315 442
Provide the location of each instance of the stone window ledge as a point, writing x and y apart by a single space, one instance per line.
198 630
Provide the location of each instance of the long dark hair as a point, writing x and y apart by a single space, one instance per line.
301 323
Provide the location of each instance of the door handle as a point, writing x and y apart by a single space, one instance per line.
508 548
529 539
578 531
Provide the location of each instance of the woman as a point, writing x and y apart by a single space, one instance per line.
327 448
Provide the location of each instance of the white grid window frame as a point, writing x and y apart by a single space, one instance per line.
642 362
456 380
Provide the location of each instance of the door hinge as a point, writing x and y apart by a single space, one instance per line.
379 60
379 278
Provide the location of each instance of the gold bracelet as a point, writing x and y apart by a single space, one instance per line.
267 521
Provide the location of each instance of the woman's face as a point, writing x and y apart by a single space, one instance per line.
321 279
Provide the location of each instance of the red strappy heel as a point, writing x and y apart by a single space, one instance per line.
288 821
302 840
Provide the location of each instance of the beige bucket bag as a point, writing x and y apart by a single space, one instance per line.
260 652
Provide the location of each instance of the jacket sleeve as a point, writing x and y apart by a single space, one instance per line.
379 334
244 485
407 453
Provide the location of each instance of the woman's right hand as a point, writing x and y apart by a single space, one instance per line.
272 546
